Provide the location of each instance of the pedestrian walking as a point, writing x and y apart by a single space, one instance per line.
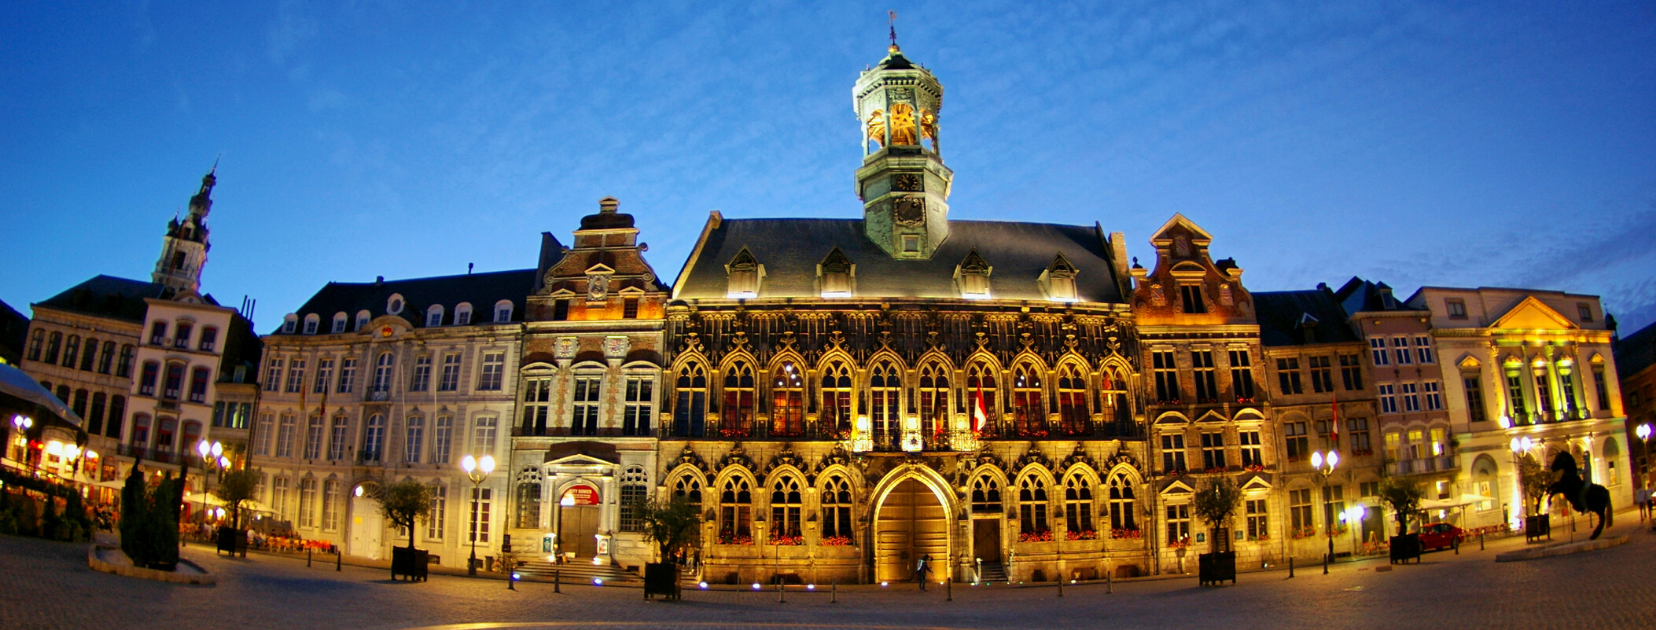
922 569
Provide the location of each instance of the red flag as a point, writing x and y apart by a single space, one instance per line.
1334 426
980 417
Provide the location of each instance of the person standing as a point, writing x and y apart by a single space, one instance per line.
922 569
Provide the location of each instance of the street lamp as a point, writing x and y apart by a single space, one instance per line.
22 423
1354 517
1325 467
1643 431
477 470
210 453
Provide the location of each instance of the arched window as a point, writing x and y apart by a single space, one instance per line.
1078 508
117 414
1113 386
209 339
737 420
382 372
91 356
165 430
982 390
1072 401
79 406
36 340
1028 416
140 430
173 385
147 378
188 437
362 318
635 488
106 361
689 489
529 499
736 512
690 408
1032 508
836 510
1612 455
198 384
835 416
290 323
503 312
434 316
934 400
786 503
129 354
95 419
787 401
54 345
1121 504
885 384
340 321
986 495
71 351
373 438
462 313
181 336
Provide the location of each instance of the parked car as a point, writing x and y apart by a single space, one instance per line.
1439 536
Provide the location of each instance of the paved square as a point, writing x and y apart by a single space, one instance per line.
48 585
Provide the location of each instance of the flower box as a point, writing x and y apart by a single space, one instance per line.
1126 534
1085 534
787 541
728 539
836 541
1041 536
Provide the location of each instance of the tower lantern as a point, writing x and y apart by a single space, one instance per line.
903 183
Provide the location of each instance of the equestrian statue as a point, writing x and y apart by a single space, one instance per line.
1583 496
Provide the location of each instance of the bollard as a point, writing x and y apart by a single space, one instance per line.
556 574
1109 583
1060 586
1325 564
1480 541
833 592
1290 566
307 557
1457 547
781 591
511 578
339 560
948 586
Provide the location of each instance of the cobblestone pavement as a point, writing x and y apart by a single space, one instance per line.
48 585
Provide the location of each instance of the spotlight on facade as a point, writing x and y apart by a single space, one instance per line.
810 587
756 586
703 585
597 581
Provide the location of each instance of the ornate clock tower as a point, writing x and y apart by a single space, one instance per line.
903 183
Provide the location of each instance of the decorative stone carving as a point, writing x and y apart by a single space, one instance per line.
566 347
615 346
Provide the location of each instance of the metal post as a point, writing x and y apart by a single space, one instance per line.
781 591
307 557
1480 541
1109 583
1325 564
511 579
1060 585
833 592
471 564
1290 566
557 575
948 586
339 559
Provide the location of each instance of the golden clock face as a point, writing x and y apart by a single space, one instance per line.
908 210
906 183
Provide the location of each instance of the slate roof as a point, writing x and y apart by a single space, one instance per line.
14 330
790 250
1282 318
1636 352
1359 295
109 296
482 290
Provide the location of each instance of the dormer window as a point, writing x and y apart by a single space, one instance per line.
1190 295
312 321
745 274
462 314
1058 281
503 312
394 305
290 323
339 322
972 277
835 275
362 319
434 316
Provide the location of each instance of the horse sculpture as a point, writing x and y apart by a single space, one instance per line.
1583 496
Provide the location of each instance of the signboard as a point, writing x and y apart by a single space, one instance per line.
579 495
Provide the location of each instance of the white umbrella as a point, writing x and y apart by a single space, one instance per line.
14 383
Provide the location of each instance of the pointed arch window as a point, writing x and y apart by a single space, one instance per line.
737 420
736 512
787 401
1122 504
986 495
786 503
1078 508
690 408
1072 401
885 384
934 399
1032 508
1028 416
983 389
836 510
689 489
836 399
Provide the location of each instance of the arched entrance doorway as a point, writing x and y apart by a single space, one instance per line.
578 512
367 525
910 524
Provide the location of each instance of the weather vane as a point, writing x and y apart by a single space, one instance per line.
891 21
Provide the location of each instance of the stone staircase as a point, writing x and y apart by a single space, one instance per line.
578 572
993 572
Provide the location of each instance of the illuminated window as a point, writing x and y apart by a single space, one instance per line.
735 510
1078 504
1173 452
934 399
884 387
786 503
787 401
1028 413
638 409
1032 506
986 495
1072 401
1178 522
836 507
739 388
1122 505
690 407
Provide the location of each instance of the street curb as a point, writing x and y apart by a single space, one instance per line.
1560 550
94 559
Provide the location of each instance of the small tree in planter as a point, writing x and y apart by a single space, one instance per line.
1403 496
1535 479
670 524
403 503
1214 504
235 488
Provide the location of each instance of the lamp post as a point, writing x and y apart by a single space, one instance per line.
477 470
1324 466
1643 432
1519 446
210 454
22 423
1354 518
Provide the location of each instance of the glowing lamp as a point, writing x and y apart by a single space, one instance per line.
1643 431
1316 459
756 586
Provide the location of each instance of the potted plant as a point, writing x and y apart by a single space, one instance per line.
1535 479
1214 504
670 524
403 503
235 488
1403 496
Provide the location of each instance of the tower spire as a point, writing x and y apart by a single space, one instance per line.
903 183
891 21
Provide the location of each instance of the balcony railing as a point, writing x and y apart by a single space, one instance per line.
159 456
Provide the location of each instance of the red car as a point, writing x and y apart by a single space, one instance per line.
1439 536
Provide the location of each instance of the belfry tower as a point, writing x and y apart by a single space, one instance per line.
184 249
903 183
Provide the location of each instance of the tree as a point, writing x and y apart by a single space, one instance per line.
669 523
1403 496
149 521
1535 480
1214 503
402 503
235 488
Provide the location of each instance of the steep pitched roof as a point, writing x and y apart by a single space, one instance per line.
1636 352
482 290
1297 318
109 296
14 330
790 250
1359 296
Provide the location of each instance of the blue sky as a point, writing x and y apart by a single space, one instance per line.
1463 143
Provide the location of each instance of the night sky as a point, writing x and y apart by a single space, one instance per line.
1454 144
